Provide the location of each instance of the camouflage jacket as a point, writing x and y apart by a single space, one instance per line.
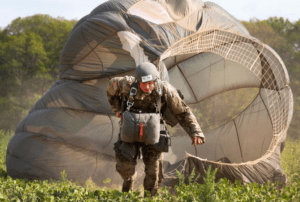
119 87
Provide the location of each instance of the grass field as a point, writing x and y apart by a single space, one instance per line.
223 190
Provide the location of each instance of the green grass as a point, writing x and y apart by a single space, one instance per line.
223 190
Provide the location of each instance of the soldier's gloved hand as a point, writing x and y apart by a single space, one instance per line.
199 139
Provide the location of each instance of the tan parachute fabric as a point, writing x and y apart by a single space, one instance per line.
237 87
244 141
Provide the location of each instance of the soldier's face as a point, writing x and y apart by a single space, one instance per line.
147 87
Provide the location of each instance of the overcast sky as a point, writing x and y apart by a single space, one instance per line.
76 9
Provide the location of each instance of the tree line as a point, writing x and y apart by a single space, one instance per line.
30 50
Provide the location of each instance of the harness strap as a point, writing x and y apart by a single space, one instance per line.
158 96
133 92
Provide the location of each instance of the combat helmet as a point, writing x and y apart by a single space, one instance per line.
146 72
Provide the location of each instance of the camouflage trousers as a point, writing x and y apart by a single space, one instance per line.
153 169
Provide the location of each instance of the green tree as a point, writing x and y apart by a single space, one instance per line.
30 50
52 31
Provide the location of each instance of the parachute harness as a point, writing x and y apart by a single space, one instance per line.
133 92
142 117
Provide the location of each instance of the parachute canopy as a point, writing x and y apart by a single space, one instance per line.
236 86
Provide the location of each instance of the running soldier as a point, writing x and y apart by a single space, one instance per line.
141 98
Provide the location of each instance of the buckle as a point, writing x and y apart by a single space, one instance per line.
133 91
129 104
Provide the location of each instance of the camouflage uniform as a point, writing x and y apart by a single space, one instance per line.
117 90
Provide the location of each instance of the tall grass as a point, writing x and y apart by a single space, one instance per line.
223 190
290 159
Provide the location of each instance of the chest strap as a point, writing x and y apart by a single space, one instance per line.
133 91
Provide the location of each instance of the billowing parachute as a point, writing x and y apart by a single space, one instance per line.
236 86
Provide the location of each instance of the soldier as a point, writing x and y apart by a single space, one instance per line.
138 102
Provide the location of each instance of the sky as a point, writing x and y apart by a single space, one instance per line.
76 9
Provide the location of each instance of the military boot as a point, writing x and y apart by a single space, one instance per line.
127 185
151 186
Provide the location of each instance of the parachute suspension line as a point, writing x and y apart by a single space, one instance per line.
92 49
198 42
194 94
172 174
258 57
195 149
96 167
237 134
213 42
262 100
111 131
270 117
233 42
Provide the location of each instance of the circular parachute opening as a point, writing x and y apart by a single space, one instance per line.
225 98
238 89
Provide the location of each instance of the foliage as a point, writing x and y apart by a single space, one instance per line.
223 190
291 159
30 49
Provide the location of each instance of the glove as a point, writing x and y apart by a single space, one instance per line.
198 139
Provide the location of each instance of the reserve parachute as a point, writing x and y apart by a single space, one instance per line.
237 87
